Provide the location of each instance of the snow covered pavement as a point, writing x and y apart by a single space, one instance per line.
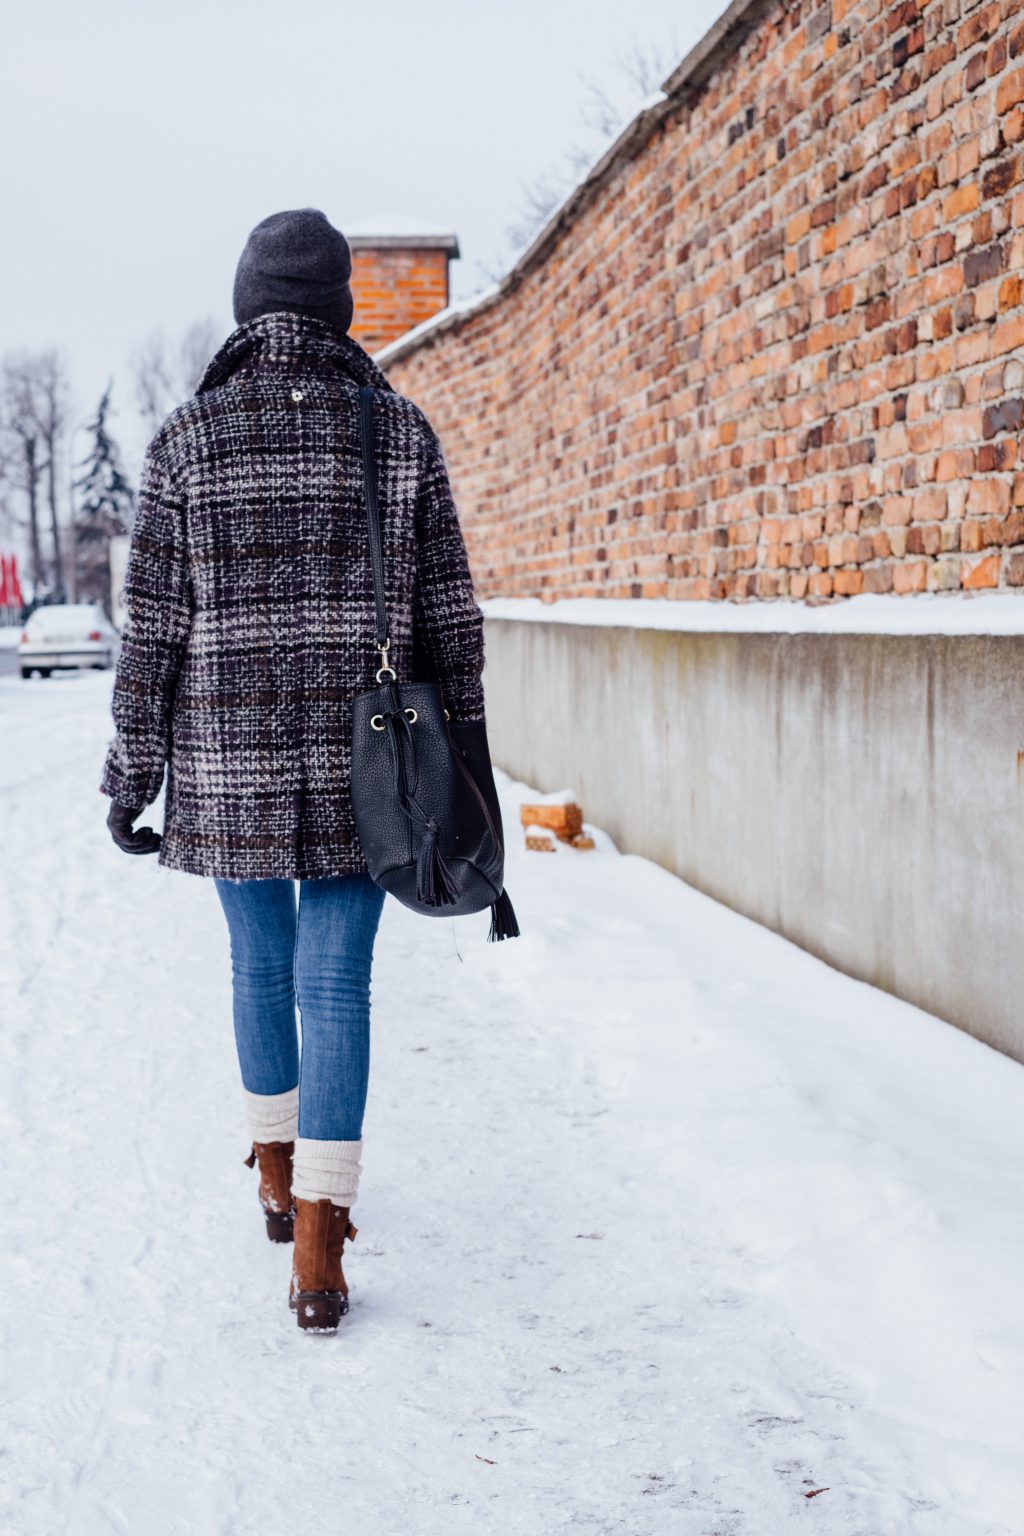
665 1227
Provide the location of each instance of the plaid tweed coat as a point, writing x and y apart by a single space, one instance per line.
249 598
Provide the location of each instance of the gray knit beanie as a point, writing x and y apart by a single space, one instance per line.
295 261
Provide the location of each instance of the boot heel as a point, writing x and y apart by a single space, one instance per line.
275 1159
280 1226
319 1311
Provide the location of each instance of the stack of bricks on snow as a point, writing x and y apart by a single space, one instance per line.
545 821
770 346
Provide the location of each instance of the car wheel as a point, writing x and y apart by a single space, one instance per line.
26 673
45 671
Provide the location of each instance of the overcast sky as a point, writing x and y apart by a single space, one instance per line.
141 142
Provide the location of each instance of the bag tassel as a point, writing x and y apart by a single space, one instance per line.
503 920
433 879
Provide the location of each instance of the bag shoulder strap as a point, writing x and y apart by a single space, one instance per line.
373 520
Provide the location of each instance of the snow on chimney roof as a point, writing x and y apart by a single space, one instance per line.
397 231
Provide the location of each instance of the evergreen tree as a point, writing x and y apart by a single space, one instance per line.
104 508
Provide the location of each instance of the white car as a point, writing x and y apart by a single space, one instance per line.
67 635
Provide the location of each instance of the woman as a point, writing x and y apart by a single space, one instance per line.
250 628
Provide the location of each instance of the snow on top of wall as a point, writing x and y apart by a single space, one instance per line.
954 613
396 226
459 307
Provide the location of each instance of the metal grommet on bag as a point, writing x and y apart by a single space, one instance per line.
409 712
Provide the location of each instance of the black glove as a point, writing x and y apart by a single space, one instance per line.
119 820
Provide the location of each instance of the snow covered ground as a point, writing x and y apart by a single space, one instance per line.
666 1230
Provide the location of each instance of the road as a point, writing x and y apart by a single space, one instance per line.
666 1229
9 666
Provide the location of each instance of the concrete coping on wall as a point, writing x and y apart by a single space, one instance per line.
410 242
954 613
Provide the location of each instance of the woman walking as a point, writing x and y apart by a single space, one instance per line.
250 600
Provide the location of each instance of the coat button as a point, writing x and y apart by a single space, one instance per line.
296 395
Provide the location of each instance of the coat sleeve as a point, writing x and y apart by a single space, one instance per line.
448 623
158 604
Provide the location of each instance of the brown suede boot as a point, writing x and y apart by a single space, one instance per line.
319 1295
275 1160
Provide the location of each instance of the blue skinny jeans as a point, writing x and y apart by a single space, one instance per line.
315 952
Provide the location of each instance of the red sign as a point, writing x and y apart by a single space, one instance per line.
10 586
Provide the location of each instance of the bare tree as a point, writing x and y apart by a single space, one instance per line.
151 375
539 200
165 374
599 111
604 112
197 346
10 525
51 392
8 521
33 434
19 418
646 68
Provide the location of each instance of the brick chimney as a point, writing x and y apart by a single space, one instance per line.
399 277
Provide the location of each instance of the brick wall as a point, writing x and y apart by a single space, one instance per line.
773 347
397 285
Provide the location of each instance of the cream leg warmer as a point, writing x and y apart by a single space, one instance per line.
272 1116
327 1170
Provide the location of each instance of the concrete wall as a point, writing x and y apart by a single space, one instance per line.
861 794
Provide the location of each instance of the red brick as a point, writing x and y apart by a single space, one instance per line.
1007 337
1010 92
912 577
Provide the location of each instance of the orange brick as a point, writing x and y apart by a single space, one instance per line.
964 199
984 573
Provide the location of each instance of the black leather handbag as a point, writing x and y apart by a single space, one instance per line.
423 791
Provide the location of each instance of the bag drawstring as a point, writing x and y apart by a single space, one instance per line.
434 884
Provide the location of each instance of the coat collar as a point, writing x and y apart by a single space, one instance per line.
296 342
